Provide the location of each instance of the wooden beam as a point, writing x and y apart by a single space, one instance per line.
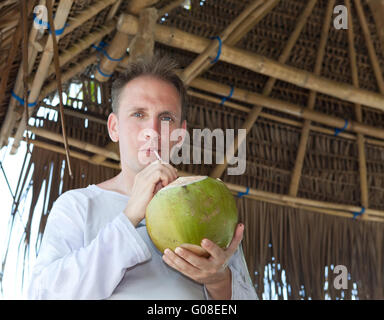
80 66
121 41
377 9
342 210
75 143
371 49
77 48
141 47
259 64
18 87
95 8
256 110
35 34
286 107
65 57
299 162
74 154
168 8
283 120
358 112
307 204
63 10
204 58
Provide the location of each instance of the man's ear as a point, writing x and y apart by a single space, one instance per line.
113 127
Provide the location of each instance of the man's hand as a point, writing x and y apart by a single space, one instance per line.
147 182
213 272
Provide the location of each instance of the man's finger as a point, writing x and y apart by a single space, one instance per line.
238 236
213 249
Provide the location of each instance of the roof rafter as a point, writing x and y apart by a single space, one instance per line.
77 21
260 64
256 110
298 167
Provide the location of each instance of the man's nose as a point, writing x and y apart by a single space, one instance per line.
152 129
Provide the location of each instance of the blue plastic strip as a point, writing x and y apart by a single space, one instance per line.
355 214
241 194
218 51
102 73
338 130
21 101
45 24
100 48
59 32
227 97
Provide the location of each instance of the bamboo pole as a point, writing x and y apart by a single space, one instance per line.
259 64
256 110
193 70
282 120
121 41
12 113
65 58
85 15
66 76
63 10
299 162
255 18
80 115
284 200
59 87
359 115
75 143
71 73
72 52
18 86
233 37
286 107
371 49
112 12
141 47
168 8
74 154
377 9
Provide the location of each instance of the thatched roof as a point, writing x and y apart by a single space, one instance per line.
311 97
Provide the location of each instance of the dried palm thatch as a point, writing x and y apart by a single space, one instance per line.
310 97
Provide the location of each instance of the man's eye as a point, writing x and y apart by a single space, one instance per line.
137 114
166 118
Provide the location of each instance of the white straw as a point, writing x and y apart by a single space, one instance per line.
157 156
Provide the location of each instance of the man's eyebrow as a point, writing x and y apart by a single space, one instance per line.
168 112
136 108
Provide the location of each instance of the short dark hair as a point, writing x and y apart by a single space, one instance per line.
161 67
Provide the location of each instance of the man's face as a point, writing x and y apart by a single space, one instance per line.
146 105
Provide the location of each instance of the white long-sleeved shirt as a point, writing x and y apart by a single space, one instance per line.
91 250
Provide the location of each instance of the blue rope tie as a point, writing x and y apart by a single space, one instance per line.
227 97
218 51
46 25
355 214
21 101
338 130
100 48
102 73
241 194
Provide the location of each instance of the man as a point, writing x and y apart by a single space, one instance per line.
96 245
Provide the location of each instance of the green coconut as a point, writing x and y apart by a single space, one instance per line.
190 209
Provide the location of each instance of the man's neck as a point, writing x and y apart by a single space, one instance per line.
122 183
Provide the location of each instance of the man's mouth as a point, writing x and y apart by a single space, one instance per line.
148 151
